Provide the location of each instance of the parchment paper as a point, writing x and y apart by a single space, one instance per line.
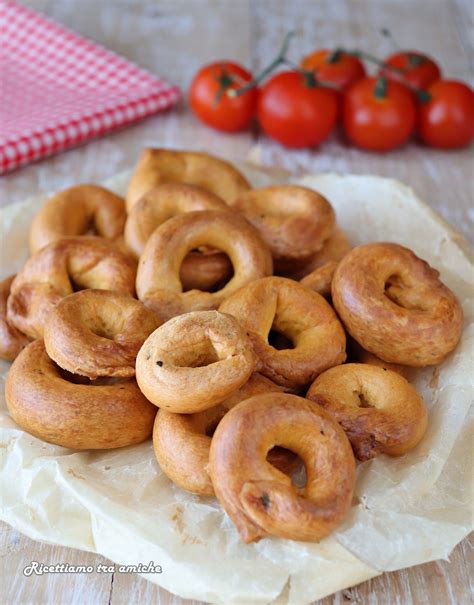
406 510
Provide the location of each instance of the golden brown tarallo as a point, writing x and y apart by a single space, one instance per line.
316 337
45 402
182 441
195 361
201 269
61 268
378 409
162 203
158 166
158 279
98 333
259 498
294 221
12 341
205 270
79 210
334 249
395 306
358 354
320 280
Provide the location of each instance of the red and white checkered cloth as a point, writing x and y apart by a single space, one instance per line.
58 89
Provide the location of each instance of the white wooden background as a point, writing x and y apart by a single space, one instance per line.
173 38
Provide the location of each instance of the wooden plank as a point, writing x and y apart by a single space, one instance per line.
463 18
18 551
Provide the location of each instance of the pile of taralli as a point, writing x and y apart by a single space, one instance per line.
220 319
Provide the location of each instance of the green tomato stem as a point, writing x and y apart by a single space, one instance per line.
422 95
311 79
279 60
380 88
335 56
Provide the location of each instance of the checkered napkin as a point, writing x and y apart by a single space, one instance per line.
58 89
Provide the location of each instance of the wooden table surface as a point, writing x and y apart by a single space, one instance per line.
173 38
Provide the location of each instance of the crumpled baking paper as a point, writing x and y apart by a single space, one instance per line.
406 511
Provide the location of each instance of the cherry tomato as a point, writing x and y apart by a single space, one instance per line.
296 112
447 120
378 114
337 67
417 68
211 104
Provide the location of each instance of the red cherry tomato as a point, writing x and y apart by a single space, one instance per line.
295 112
211 104
447 119
378 114
417 68
337 67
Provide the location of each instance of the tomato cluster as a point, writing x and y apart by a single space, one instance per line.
301 107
